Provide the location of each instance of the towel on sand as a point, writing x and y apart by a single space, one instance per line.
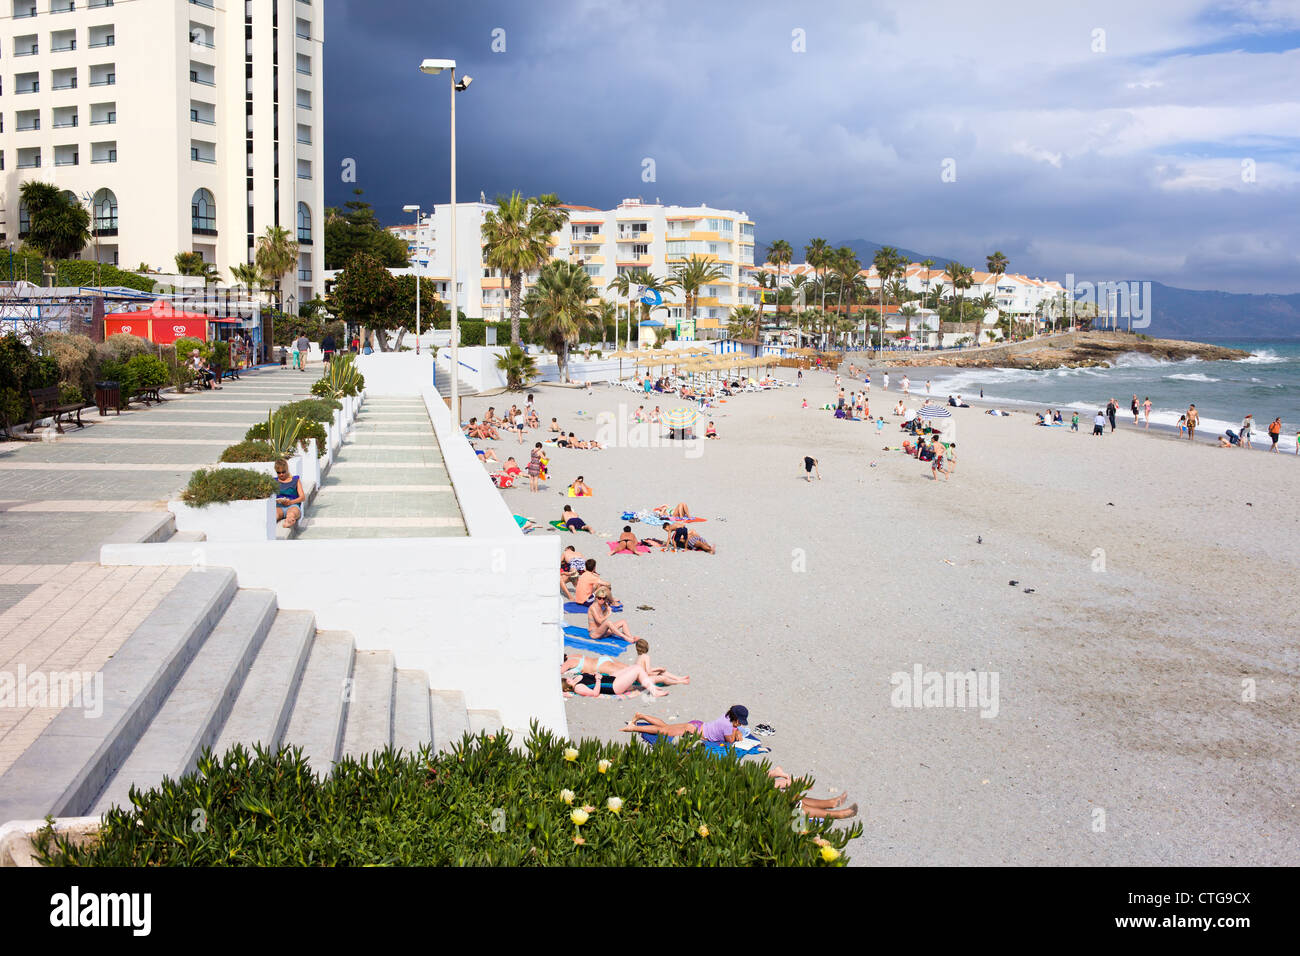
641 549
573 607
748 745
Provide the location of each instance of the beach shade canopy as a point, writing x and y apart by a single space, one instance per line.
680 417
622 354
650 324
935 411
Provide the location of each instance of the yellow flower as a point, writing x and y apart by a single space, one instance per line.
614 804
603 766
567 796
830 854
703 831
579 817
570 754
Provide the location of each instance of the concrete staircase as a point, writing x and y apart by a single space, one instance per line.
444 385
216 665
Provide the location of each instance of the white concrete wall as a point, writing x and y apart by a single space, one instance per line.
480 614
396 373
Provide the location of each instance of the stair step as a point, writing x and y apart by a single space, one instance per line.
198 705
450 719
262 709
67 767
369 725
316 724
184 537
484 720
412 711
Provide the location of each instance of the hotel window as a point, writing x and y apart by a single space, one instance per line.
640 250
105 204
304 224
203 213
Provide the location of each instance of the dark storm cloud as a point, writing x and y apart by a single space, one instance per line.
1124 159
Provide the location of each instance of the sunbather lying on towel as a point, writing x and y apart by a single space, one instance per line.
594 685
628 542
834 809
600 622
679 510
571 520
727 729
604 664
681 538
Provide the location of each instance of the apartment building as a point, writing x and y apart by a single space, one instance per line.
182 125
633 236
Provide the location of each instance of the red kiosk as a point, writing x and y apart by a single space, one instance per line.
161 324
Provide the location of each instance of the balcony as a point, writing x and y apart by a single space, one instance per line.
103 152
65 156
26 46
96 4
25 14
202 3
104 74
108 39
63 6
103 114
29 159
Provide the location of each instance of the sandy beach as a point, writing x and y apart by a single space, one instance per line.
1163 594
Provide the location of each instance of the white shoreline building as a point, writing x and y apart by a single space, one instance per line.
633 236
184 126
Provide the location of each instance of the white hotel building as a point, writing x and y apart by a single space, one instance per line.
185 125
633 236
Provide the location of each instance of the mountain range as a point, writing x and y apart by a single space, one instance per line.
1175 313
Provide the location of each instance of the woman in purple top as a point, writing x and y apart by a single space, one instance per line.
727 729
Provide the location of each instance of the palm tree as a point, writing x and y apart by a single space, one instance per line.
888 262
690 276
560 310
960 277
277 254
818 255
747 320
516 239
247 275
846 265
779 253
897 291
626 284
928 265
58 225
908 312
519 366
997 264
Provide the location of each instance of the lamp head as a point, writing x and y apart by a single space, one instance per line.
463 83
433 67
410 208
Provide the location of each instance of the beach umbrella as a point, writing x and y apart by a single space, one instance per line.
935 411
680 417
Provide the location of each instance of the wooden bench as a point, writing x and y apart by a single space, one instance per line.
148 394
45 404
231 374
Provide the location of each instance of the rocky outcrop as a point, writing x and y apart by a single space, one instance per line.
1078 350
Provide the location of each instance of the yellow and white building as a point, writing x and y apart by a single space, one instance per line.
633 236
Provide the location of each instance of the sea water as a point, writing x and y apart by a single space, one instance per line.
1265 385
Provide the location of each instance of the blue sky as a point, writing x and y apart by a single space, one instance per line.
1106 140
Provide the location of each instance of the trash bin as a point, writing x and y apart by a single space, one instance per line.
108 395
284 356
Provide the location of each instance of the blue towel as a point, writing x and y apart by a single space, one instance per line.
573 607
582 634
595 647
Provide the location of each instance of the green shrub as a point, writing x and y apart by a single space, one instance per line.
313 409
122 373
21 370
322 388
185 345
249 451
75 355
483 804
310 430
148 371
121 347
281 432
220 354
217 485
71 395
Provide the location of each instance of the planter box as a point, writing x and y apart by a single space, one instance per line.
17 837
230 520
306 465
336 431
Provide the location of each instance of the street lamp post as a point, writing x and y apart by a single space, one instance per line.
416 209
434 67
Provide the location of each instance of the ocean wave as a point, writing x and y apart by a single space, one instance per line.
1194 377
1143 360
1263 357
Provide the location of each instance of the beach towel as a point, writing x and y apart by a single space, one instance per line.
580 633
573 607
749 745
641 549
606 648
558 525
